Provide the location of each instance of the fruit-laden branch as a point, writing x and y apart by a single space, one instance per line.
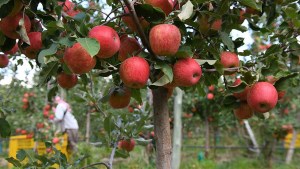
139 26
232 69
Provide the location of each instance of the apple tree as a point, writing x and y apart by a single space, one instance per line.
155 45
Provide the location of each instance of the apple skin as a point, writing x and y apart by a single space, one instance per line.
211 88
127 145
134 72
66 81
47 107
229 60
23 132
281 94
35 39
69 8
271 79
130 23
55 140
78 59
241 95
187 72
46 114
13 50
262 97
3 60
10 24
120 98
217 25
210 96
165 39
244 111
39 125
165 5
128 47
108 38
51 116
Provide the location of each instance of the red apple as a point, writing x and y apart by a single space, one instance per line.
51 116
217 25
26 95
211 88
242 17
130 109
281 94
78 59
286 111
229 60
243 111
10 24
18 131
165 5
241 95
25 100
69 8
45 114
271 79
187 72
55 140
49 150
35 45
210 96
262 97
23 132
120 98
39 125
165 39
252 11
47 107
3 61
12 51
25 106
66 81
134 72
130 23
108 38
129 47
29 136
127 145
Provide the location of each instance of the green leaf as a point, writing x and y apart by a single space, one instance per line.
251 3
51 93
162 81
108 124
3 2
136 94
66 41
229 100
150 13
237 89
6 7
274 49
47 71
142 141
22 32
201 61
227 41
184 52
5 130
223 7
14 162
283 83
166 69
92 46
121 153
46 52
21 155
186 12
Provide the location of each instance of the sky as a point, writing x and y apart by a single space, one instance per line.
26 72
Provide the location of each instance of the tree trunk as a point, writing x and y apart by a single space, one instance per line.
177 135
252 137
88 126
291 148
162 128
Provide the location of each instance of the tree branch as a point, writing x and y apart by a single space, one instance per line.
233 69
119 16
139 27
99 163
112 155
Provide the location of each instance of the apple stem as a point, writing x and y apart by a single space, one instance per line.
141 32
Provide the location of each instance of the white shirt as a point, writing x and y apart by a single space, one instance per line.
69 121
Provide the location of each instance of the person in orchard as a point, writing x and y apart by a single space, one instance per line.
66 122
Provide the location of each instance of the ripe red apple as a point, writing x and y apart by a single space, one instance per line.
35 45
78 59
23 132
129 47
242 17
281 94
49 150
26 95
25 100
108 38
39 125
135 72
165 5
47 107
127 145
271 79
3 61
29 136
187 72
55 140
18 131
45 114
243 111
12 51
130 23
286 111
211 88
51 116
229 60
217 25
241 95
130 109
120 98
152 134
165 39
66 81
69 8
210 96
25 106
10 24
262 97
